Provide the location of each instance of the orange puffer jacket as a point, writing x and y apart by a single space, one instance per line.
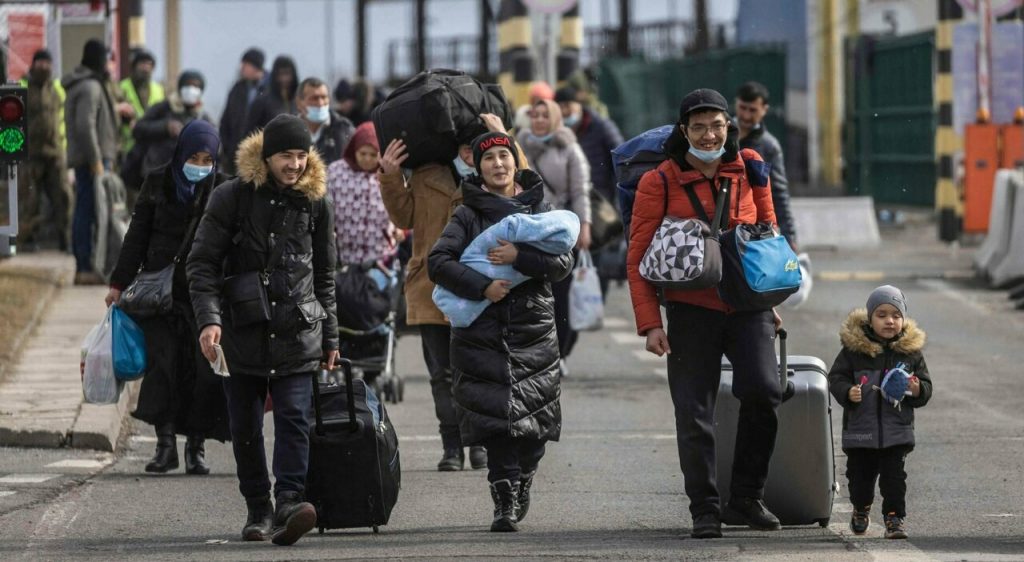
750 202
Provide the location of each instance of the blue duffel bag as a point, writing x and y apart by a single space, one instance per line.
759 269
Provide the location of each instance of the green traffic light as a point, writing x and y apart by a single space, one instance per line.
11 140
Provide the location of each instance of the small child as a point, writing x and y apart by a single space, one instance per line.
879 378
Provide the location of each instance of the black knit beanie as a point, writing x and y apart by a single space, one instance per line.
94 55
285 132
487 141
191 76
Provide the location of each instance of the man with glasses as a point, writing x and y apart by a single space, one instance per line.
701 328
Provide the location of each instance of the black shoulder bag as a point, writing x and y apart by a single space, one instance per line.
245 294
151 293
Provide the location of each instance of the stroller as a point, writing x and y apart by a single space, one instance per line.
368 300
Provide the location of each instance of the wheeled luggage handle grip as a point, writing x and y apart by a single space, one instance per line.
316 406
788 390
350 394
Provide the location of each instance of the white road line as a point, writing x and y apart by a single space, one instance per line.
646 356
661 372
873 541
571 436
5 493
615 322
78 463
27 478
625 338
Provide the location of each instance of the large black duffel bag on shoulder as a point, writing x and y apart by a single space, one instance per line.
436 111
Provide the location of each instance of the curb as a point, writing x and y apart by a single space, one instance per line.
60 277
100 427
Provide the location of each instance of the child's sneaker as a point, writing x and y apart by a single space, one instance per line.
860 521
894 527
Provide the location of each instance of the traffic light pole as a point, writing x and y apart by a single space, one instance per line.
10 230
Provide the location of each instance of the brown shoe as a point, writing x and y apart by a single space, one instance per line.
89 278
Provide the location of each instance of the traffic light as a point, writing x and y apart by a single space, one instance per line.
13 123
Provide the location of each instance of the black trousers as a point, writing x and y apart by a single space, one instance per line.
437 341
508 457
293 404
698 338
864 466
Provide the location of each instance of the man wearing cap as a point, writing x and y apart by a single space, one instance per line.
43 172
275 344
91 116
140 90
701 328
251 83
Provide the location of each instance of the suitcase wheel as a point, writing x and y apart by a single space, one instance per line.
376 530
824 522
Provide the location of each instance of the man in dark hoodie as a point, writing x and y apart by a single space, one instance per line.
251 84
279 97
91 121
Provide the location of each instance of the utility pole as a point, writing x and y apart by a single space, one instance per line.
517 65
361 38
172 17
571 43
703 40
622 38
484 47
421 35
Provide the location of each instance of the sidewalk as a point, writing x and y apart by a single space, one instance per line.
41 395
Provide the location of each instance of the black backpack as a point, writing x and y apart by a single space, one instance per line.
436 111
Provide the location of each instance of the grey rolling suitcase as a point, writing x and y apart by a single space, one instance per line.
801 483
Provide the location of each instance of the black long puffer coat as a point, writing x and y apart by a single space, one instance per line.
304 321
505 365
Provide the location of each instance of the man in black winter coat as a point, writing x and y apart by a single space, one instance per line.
331 132
250 84
751 107
278 318
279 97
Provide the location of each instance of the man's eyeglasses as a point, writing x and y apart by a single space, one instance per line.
700 130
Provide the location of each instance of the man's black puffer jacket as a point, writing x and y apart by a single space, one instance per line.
505 365
304 321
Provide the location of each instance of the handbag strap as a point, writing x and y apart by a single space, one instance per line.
187 242
721 202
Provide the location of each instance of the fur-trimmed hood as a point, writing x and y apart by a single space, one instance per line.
854 336
253 169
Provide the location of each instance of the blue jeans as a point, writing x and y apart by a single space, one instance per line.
84 218
293 400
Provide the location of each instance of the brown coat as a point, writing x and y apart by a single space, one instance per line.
424 205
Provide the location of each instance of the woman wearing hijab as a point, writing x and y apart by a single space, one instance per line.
555 154
180 394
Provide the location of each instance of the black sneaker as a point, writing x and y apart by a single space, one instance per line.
706 526
860 520
894 527
452 460
752 512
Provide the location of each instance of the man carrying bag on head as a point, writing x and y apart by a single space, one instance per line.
261 276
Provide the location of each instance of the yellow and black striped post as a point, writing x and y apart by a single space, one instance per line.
948 144
516 66
571 42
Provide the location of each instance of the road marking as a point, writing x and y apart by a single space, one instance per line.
1000 515
27 478
570 436
5 493
644 355
897 551
661 372
78 463
615 322
625 338
150 439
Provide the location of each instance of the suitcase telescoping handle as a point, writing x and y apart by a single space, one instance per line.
788 389
350 398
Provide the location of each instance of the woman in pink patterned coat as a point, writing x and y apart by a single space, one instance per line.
364 231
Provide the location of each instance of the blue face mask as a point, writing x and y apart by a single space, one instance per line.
464 170
320 114
707 156
542 138
572 120
195 173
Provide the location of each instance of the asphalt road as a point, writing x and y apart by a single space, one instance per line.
611 489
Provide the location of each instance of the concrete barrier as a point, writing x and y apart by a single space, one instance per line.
835 222
1010 268
994 248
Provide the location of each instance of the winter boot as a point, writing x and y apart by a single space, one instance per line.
453 460
753 512
166 456
523 497
478 457
504 494
894 527
261 519
292 519
706 526
860 520
195 456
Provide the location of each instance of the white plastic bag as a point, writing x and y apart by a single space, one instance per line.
98 382
806 283
586 306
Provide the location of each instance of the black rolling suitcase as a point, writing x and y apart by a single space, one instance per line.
354 470
801 483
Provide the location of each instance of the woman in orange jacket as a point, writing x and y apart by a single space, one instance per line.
702 328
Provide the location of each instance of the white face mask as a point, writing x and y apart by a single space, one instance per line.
190 95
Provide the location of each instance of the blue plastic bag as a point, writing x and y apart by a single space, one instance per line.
129 346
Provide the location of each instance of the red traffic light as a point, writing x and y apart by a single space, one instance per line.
12 109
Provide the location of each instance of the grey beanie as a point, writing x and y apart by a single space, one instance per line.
887 294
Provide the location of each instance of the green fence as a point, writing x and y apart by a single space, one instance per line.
889 133
641 95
